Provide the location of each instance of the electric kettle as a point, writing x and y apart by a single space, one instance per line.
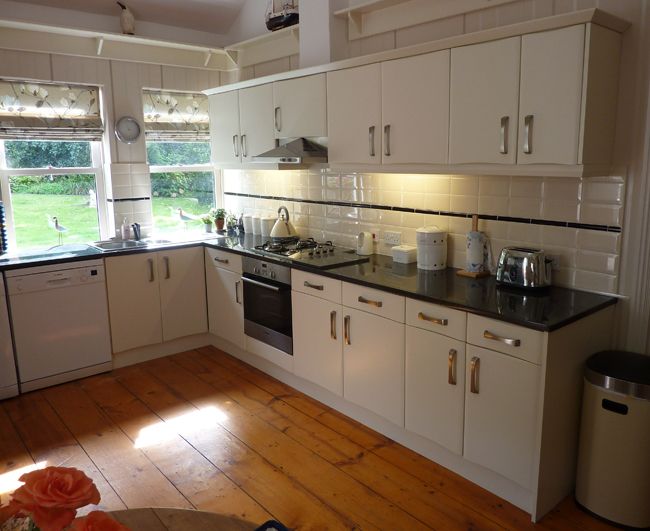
283 230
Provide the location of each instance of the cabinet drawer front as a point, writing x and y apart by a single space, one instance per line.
223 259
436 318
316 285
374 301
522 343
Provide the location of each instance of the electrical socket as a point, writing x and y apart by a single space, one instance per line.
392 237
555 261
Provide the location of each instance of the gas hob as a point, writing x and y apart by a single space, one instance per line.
324 255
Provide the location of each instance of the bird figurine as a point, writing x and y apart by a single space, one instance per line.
184 216
53 222
127 20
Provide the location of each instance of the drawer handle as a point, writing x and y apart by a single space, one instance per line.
319 287
377 304
474 367
346 330
451 366
222 260
434 320
507 340
333 324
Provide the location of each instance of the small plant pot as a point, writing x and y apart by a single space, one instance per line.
219 223
208 227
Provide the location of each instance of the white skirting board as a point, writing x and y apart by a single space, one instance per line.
151 352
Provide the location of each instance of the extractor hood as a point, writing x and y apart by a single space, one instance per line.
300 151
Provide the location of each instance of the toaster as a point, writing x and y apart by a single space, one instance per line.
524 268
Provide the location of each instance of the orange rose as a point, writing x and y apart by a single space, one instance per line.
52 495
97 521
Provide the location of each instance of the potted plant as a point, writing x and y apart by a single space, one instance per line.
207 222
219 218
231 223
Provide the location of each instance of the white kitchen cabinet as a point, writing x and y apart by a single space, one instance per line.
484 98
435 387
415 109
318 341
224 128
256 121
373 363
354 115
182 292
225 297
155 297
502 403
300 107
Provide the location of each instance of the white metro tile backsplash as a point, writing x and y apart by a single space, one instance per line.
588 258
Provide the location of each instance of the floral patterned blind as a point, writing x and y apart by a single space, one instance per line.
49 112
173 116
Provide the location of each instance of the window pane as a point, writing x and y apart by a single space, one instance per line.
37 200
192 192
47 154
178 153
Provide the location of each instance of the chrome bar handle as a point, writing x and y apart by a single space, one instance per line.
346 330
451 366
528 134
505 122
319 287
167 272
152 276
387 140
376 304
507 340
235 145
221 260
371 140
244 146
434 320
333 324
237 292
276 115
474 367
260 284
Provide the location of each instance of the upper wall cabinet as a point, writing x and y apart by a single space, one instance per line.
300 107
224 127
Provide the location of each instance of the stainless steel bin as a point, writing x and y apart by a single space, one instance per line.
613 477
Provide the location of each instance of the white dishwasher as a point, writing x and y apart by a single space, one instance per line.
60 322
8 382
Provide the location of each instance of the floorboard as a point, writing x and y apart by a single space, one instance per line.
203 430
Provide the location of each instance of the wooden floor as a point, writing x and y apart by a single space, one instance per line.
203 430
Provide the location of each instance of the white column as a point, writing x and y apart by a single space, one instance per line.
323 38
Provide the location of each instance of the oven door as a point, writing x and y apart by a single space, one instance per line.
267 312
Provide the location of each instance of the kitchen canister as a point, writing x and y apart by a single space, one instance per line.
257 224
478 252
266 224
247 221
432 248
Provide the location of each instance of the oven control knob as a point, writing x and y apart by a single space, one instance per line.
256 270
331 249
273 274
311 253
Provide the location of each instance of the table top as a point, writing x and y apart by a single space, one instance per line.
162 519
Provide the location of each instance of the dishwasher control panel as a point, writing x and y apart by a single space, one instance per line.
27 283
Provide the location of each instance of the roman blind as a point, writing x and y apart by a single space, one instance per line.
175 116
47 111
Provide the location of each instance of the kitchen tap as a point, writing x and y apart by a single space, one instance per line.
136 231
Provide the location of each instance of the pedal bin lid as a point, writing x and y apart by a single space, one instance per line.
622 372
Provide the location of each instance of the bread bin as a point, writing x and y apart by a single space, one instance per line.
524 268
432 248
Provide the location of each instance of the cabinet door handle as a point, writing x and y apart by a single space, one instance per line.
474 367
503 146
346 330
371 140
528 134
237 292
222 260
434 320
507 340
451 366
387 140
152 275
333 324
167 271
244 146
376 304
235 145
319 287
278 125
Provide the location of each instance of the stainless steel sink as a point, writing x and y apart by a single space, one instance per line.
112 246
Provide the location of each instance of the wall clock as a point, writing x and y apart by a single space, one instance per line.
127 129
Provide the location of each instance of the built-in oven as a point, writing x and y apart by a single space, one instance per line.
267 303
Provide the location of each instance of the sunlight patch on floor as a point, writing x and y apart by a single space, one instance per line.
165 430
9 480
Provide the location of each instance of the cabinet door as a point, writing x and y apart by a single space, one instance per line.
373 364
501 413
551 96
484 102
318 341
225 304
354 115
300 107
256 121
133 301
415 109
435 387
224 128
182 292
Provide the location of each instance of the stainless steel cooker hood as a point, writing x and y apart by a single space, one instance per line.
299 152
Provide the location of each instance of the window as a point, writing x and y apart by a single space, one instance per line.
178 152
51 178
